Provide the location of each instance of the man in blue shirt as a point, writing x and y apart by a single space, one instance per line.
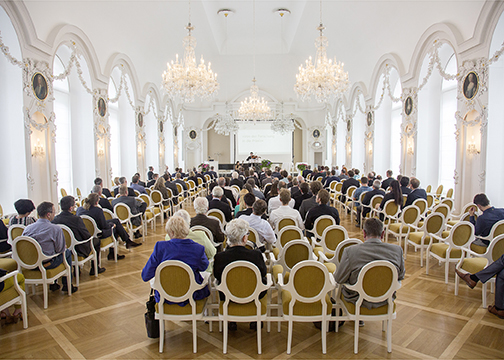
136 186
357 193
490 215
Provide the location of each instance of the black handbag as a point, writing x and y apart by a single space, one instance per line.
151 324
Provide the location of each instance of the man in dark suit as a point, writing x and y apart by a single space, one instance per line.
303 194
105 191
367 198
104 203
136 206
152 181
237 236
348 182
404 185
173 187
276 173
201 207
228 193
140 182
306 205
123 181
235 180
150 174
386 183
178 180
306 171
416 192
321 209
330 179
220 204
75 223
355 257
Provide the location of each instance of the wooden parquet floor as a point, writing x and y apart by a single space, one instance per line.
104 320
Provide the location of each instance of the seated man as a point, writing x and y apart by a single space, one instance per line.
249 200
75 223
98 181
404 185
236 181
237 235
367 199
178 180
306 205
275 202
51 240
136 186
416 192
490 215
219 202
263 228
136 206
355 257
152 181
494 269
303 194
227 193
285 210
201 208
123 181
178 248
104 203
321 209
357 193
348 182
257 193
330 179
386 183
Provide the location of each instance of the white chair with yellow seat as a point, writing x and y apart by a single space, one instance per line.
207 232
175 282
157 200
408 221
105 243
433 225
288 233
430 201
391 213
28 254
219 215
348 203
286 221
63 192
464 214
12 232
151 212
375 200
354 206
449 250
123 213
305 297
320 224
241 284
78 261
331 237
333 262
496 230
79 194
336 195
472 262
377 282
109 215
422 205
12 293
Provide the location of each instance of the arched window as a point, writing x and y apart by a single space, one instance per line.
12 136
436 146
358 134
73 107
387 128
494 163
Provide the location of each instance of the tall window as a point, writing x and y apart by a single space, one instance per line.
63 146
168 135
358 130
341 140
115 139
151 137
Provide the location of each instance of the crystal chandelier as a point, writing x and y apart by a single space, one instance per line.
325 79
283 125
254 108
184 79
225 124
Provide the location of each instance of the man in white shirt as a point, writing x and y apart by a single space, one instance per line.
275 202
285 210
263 228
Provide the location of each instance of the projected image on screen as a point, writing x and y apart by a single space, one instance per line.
262 141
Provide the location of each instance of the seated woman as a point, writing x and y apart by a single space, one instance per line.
160 186
178 248
24 208
199 237
395 194
193 177
6 266
240 203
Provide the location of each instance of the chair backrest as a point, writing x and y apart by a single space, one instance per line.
404 198
496 247
332 236
27 252
351 190
254 237
157 197
200 181
449 193
63 192
439 190
428 189
191 184
241 283
137 193
145 198
294 252
430 200
321 223
1 211
170 193
78 192
310 282
497 229
339 186
286 221
90 225
268 185
375 200
122 212
332 185
442 209
236 187
377 282
319 178
410 215
434 223
109 215
342 246
180 188
461 234
205 230
69 236
468 206
14 231
175 282
216 213
148 190
449 202
289 233
421 204
391 209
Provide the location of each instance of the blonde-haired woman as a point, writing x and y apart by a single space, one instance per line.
160 186
179 247
241 204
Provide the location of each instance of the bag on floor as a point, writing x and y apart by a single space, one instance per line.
151 323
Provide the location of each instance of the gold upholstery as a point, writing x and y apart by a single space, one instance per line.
286 222
175 309
304 309
440 250
36 274
8 264
382 310
473 265
248 309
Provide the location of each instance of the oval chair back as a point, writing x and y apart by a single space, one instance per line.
286 221
338 253
428 189
219 215
430 201
14 231
289 233
63 192
332 236
421 204
449 193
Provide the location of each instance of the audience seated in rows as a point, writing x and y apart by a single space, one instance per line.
123 181
322 208
285 210
367 199
136 206
275 202
255 220
201 208
219 202
98 181
309 203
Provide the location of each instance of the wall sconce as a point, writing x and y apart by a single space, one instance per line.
38 150
139 150
101 151
370 150
410 149
471 147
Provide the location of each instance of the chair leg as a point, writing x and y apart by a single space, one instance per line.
195 337
356 336
447 269
456 285
225 337
24 310
289 338
161 335
421 255
427 255
259 347
483 295
324 335
389 335
44 288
